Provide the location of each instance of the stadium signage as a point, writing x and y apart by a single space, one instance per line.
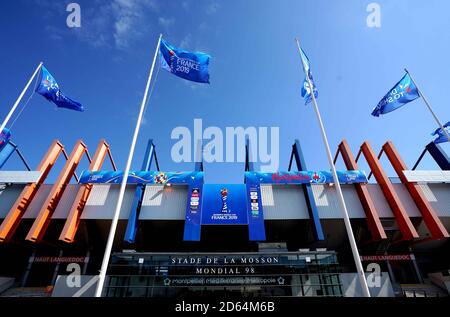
139 177
389 257
60 259
217 265
237 280
224 204
306 177
225 260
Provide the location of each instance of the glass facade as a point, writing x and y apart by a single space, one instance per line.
242 274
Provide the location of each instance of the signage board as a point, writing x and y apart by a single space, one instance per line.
388 257
139 177
224 204
306 177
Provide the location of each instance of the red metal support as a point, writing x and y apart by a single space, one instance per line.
404 222
429 216
48 207
12 220
73 219
373 219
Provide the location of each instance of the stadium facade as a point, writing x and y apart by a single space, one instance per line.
276 234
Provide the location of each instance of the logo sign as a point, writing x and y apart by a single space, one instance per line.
224 204
306 177
254 202
194 202
256 230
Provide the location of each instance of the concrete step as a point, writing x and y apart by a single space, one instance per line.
27 292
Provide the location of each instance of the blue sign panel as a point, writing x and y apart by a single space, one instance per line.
192 223
224 204
256 229
306 177
139 177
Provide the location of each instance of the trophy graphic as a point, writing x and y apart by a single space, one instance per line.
224 193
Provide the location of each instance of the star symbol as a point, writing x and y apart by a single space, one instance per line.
167 281
280 280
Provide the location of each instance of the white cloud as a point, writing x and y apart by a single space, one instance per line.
212 8
186 41
166 23
117 23
127 17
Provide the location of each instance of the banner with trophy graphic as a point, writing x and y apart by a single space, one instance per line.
224 204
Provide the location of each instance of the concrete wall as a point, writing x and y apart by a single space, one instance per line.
279 201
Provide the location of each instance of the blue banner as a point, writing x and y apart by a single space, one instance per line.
193 218
306 177
256 228
188 65
403 92
224 204
139 177
50 90
441 137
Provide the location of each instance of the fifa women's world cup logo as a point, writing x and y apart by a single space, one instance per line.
224 194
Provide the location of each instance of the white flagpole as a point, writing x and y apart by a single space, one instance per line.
5 122
429 106
348 226
112 231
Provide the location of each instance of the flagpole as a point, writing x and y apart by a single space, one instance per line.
348 226
112 231
429 106
16 104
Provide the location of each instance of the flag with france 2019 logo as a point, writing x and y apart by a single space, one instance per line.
49 89
403 92
192 66
306 90
441 136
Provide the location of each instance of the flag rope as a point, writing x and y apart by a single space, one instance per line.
153 86
115 221
26 104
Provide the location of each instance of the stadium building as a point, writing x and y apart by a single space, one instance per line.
276 234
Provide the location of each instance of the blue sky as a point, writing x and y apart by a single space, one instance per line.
255 74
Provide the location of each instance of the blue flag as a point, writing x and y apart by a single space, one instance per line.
306 91
441 135
184 64
4 137
50 90
403 92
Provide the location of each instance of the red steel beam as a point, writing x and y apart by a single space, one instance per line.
48 207
373 219
73 220
404 222
429 216
12 220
